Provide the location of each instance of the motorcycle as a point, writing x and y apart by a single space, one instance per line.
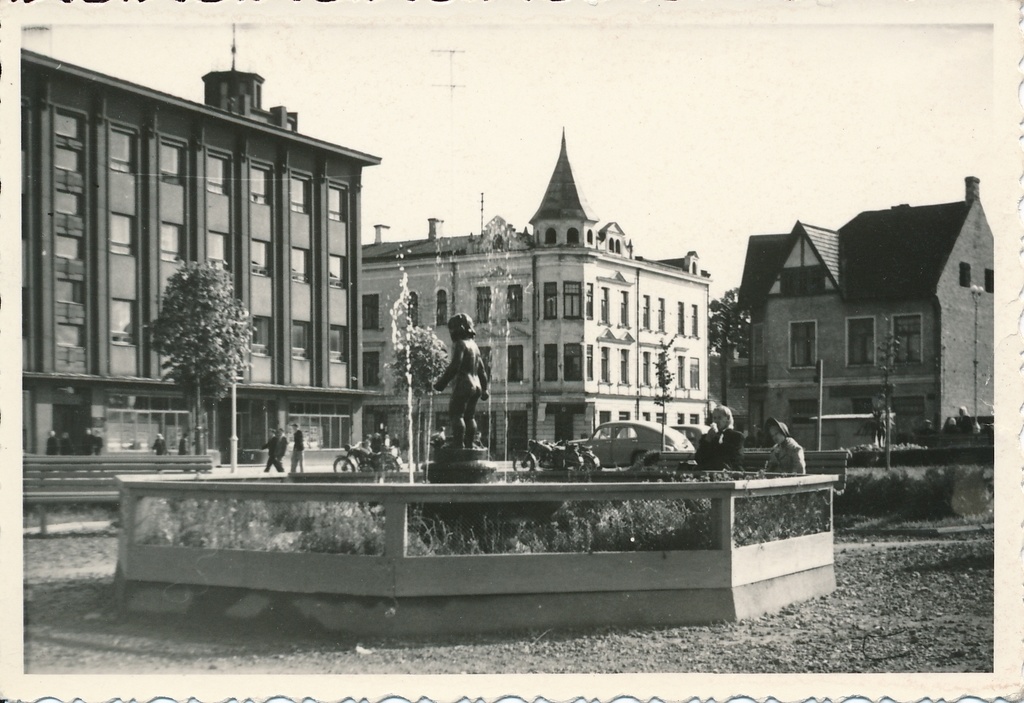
561 455
361 459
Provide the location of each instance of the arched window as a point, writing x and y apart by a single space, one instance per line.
617 246
549 236
441 317
414 309
590 236
572 236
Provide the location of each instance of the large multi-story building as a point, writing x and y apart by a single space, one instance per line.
569 321
920 276
122 183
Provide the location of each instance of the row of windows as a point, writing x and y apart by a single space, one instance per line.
604 416
861 347
574 306
965 277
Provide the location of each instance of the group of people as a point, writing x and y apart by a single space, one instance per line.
160 444
92 443
721 447
277 447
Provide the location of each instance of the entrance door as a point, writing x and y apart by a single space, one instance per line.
563 425
75 420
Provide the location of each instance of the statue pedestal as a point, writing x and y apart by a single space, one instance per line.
459 465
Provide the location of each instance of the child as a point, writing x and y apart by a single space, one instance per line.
467 370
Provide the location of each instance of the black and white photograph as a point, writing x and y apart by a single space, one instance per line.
436 351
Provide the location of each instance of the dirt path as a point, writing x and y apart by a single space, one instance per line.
899 606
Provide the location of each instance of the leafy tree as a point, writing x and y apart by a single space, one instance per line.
727 332
665 377
203 332
420 357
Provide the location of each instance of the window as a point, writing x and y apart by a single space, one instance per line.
605 304
67 159
515 362
590 362
122 234
259 185
67 126
572 300
624 309
70 291
661 314
603 417
336 200
338 344
645 369
549 236
802 410
122 321
260 336
550 362
67 203
681 319
645 321
483 304
590 301
860 341
550 301
515 303
371 307
170 241
572 362
70 335
300 340
217 249
694 321
907 331
216 174
371 368
965 274
299 197
802 280
694 373
908 406
335 271
572 236
259 255
300 264
802 344
485 357
624 416
606 372
414 309
170 163
68 247
121 152
990 283
680 372
694 419
441 311
624 366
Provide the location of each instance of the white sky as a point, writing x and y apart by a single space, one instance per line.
688 136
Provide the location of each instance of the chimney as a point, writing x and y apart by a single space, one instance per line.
972 191
378 231
435 229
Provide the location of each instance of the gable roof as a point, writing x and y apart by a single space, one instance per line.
563 199
765 254
900 252
826 244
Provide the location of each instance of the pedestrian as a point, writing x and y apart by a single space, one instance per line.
182 443
375 443
52 444
787 456
276 447
722 447
66 447
86 446
97 442
159 445
298 447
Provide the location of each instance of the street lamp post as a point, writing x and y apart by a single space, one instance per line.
234 427
976 292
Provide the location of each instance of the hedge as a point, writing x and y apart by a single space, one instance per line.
938 492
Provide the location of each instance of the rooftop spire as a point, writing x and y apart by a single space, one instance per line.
563 199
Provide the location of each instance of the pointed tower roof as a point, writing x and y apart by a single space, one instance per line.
563 199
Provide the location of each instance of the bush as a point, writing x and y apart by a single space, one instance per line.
940 492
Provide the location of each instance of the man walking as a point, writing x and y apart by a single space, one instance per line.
298 445
276 447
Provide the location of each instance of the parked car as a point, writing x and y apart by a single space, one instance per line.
624 443
692 432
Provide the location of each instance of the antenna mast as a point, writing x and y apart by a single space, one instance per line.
451 86
481 214
232 47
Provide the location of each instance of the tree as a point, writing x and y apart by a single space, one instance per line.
420 357
203 332
665 377
727 332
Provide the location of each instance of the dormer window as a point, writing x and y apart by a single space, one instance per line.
572 236
803 280
550 236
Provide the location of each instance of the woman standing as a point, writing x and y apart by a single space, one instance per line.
787 456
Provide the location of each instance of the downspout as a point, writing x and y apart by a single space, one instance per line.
940 376
534 355
636 318
707 358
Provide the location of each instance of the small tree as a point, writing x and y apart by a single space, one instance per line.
665 377
727 332
420 357
890 349
204 332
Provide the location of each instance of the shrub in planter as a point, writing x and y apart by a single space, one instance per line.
940 492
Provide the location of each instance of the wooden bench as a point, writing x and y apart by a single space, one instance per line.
49 480
830 461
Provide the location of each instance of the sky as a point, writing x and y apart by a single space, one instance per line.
689 136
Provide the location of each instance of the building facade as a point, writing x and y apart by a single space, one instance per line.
921 277
570 322
121 184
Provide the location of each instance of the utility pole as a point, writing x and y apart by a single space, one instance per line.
451 85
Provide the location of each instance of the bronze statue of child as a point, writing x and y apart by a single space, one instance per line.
466 368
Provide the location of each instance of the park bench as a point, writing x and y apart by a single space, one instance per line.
831 462
49 480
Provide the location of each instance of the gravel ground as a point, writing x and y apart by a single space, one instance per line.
901 606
